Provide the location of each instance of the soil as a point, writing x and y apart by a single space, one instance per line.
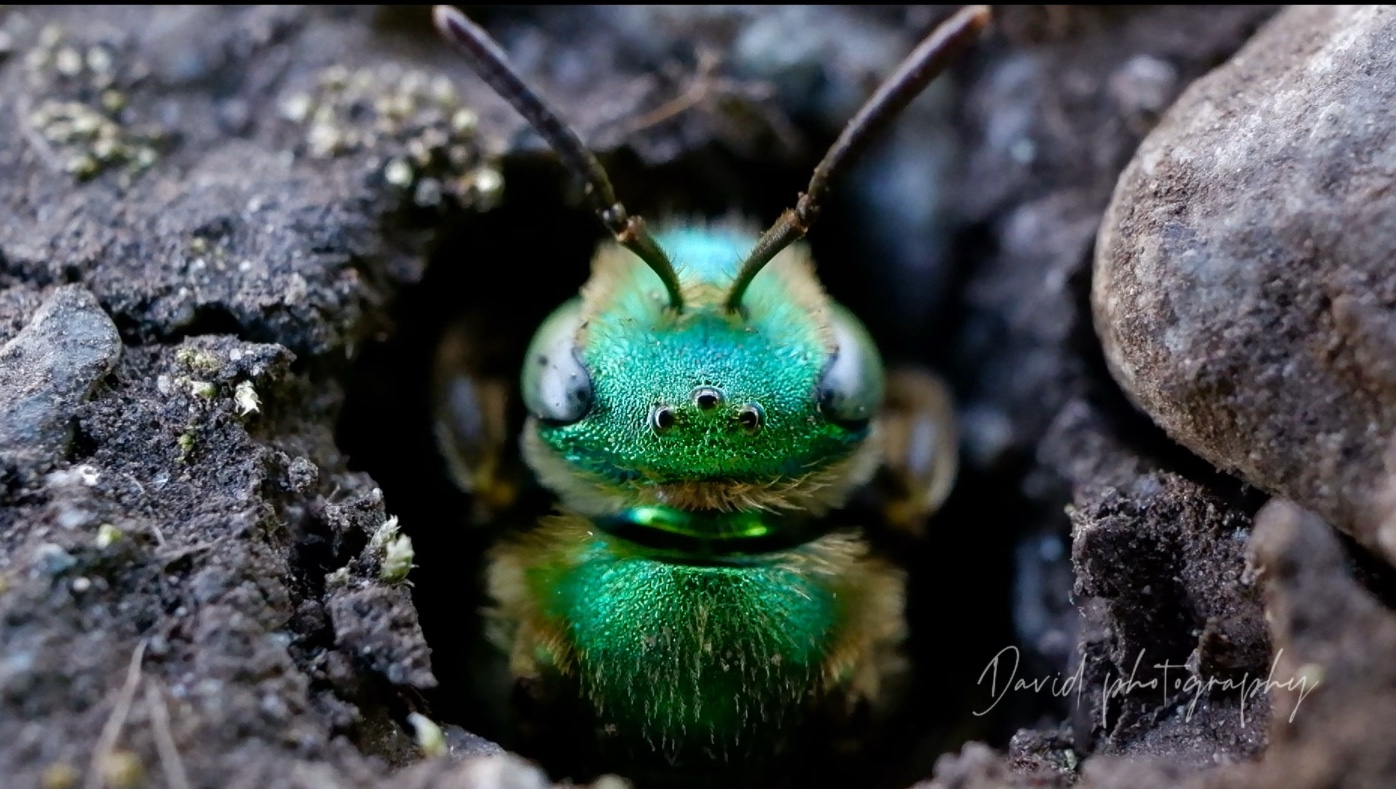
234 237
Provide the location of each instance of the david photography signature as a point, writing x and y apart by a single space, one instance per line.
1174 681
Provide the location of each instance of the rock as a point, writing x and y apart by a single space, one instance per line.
501 771
1332 683
48 370
1169 612
172 528
379 625
462 745
1243 285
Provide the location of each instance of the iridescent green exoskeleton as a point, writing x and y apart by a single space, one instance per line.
700 410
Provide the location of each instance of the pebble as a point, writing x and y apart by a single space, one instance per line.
48 370
1244 290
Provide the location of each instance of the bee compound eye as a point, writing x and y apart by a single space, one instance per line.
850 390
556 386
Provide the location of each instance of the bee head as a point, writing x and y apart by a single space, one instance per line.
708 408
728 381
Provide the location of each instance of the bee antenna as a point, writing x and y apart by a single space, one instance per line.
937 51
489 62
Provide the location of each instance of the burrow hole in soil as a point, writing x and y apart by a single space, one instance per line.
505 270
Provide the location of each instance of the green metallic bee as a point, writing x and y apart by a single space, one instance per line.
701 410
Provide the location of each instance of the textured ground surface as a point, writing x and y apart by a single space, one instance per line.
230 238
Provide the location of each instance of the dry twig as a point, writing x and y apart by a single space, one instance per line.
111 730
170 762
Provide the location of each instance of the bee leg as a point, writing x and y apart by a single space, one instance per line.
546 709
920 443
867 672
519 625
470 418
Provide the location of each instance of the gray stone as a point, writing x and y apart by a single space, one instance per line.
48 370
1244 289
494 771
379 625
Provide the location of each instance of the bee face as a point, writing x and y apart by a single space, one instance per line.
708 408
